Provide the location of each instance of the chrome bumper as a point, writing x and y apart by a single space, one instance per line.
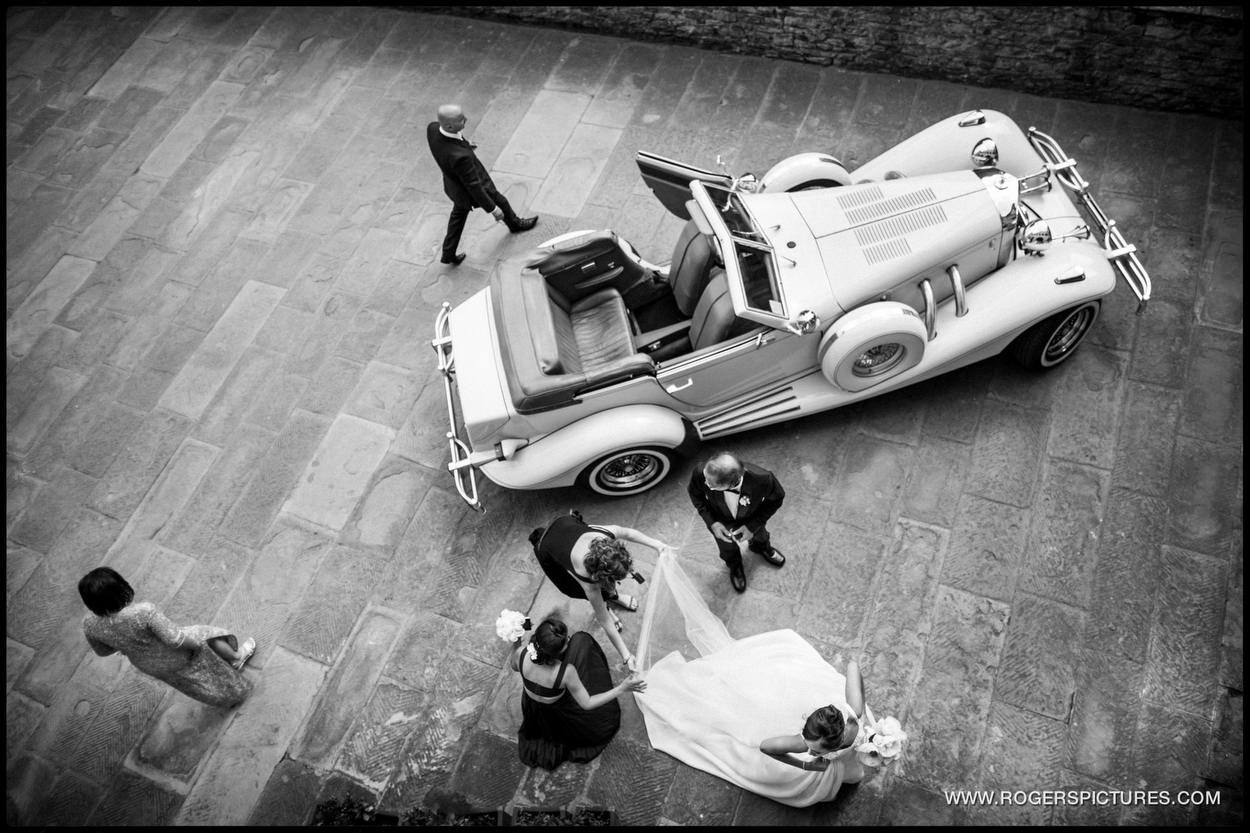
460 466
1121 253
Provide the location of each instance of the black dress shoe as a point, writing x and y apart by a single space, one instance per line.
524 224
454 260
738 578
773 556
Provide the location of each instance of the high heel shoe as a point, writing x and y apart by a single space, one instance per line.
624 602
245 653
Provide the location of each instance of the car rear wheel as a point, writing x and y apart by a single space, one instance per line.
628 471
1050 342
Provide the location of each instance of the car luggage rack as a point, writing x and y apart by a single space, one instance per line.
1121 253
460 467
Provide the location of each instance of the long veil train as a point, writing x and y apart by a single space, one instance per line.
711 699
676 618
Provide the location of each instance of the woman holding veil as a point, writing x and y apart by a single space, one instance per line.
568 703
588 562
766 712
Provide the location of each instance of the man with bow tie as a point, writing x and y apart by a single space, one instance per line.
735 500
465 180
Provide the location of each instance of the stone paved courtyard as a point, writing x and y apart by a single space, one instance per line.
222 245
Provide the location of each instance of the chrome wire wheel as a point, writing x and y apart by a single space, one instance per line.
1054 340
879 359
1068 335
629 471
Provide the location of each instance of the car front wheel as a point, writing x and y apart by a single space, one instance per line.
1050 342
629 471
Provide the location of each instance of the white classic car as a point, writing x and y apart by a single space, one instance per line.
806 289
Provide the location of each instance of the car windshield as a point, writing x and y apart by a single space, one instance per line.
756 264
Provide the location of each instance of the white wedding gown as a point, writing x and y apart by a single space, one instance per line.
711 699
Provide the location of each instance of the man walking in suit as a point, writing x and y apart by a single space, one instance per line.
466 181
735 500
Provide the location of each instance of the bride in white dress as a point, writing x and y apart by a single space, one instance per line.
766 712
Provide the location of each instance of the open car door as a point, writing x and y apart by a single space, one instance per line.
670 181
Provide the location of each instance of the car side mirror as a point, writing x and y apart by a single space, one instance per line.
747 183
804 323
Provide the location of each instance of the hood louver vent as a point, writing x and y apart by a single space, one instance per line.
900 226
886 251
867 206
857 199
887 239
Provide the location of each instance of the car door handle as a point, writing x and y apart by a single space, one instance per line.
676 388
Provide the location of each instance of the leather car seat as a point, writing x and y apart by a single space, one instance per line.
714 319
592 333
691 268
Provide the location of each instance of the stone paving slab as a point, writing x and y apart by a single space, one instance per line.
339 471
43 304
253 743
222 234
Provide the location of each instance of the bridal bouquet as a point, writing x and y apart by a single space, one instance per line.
884 745
511 626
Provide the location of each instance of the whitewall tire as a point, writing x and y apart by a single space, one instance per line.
629 471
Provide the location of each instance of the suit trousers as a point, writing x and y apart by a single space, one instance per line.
459 214
732 555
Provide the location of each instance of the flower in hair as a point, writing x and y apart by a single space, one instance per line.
511 626
531 652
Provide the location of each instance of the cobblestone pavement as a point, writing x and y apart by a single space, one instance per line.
222 227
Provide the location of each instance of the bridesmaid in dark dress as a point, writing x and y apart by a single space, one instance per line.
569 706
586 562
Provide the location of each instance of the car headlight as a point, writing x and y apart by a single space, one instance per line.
985 154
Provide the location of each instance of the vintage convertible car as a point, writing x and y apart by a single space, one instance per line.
803 290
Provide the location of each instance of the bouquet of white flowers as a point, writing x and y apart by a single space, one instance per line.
511 626
884 745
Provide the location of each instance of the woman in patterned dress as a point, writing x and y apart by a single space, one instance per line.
202 661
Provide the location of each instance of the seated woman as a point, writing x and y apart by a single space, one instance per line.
568 703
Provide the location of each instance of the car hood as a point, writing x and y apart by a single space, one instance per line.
875 235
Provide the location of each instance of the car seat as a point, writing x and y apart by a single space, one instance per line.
554 349
691 268
714 319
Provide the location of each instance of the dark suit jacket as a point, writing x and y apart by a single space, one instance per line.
465 179
760 498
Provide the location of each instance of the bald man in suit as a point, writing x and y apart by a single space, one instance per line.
735 501
466 181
